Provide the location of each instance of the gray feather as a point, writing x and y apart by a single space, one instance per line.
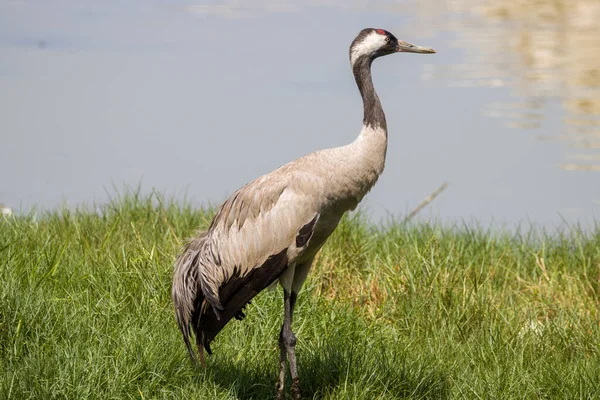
185 287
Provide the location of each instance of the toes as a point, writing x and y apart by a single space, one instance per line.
296 389
280 395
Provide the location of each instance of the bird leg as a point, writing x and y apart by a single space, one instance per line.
287 346
282 362
291 348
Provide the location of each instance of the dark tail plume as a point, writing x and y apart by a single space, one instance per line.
194 309
186 293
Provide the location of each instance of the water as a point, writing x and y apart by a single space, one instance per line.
199 98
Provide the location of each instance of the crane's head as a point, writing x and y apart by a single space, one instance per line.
372 43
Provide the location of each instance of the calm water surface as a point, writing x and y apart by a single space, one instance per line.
199 98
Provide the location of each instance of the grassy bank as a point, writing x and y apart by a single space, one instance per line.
390 312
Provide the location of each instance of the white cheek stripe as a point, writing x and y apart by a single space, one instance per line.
369 44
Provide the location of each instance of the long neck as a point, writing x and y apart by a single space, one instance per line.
367 152
374 117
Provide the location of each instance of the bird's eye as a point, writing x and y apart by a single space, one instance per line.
387 39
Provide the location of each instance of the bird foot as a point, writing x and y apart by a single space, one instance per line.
296 389
280 393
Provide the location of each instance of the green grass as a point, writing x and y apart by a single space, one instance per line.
417 311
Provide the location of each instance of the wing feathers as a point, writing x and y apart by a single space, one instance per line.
306 232
252 238
185 291
236 294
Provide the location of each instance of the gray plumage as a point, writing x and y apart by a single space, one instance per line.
272 228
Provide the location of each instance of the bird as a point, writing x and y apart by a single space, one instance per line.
270 230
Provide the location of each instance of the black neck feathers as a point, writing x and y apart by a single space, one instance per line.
373 112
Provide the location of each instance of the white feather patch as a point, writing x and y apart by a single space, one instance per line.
367 46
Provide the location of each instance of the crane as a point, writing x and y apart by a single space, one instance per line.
272 228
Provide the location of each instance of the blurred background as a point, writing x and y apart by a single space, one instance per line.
194 99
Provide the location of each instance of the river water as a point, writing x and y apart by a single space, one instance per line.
195 99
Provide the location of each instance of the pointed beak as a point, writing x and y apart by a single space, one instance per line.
413 48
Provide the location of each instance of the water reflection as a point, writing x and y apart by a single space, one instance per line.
546 52
109 89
